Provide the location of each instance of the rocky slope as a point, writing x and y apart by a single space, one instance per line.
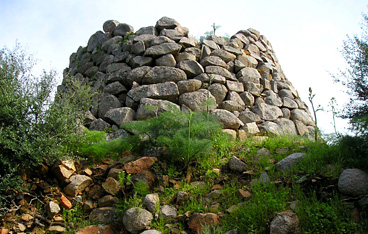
139 194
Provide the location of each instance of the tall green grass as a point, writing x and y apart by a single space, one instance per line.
255 214
95 146
330 216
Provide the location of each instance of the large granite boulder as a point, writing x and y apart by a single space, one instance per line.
162 49
163 74
353 182
191 68
107 103
267 112
284 223
119 116
149 108
166 91
110 25
290 161
200 100
228 119
123 29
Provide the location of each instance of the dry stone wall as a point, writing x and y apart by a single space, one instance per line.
239 80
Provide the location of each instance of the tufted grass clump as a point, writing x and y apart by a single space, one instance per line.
317 216
74 219
207 229
254 215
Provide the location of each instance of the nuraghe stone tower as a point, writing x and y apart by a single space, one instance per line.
162 66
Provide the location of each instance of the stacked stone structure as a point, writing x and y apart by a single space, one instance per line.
240 80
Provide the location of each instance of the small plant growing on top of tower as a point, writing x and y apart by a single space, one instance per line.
208 34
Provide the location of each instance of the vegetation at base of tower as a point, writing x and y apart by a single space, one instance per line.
185 137
253 214
33 127
93 144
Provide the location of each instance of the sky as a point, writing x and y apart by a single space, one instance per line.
307 35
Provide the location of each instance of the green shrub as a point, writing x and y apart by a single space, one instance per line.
354 151
94 146
32 125
185 136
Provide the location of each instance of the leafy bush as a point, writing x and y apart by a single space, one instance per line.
184 136
355 79
32 125
354 151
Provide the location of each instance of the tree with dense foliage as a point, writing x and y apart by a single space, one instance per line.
33 126
355 78
354 149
